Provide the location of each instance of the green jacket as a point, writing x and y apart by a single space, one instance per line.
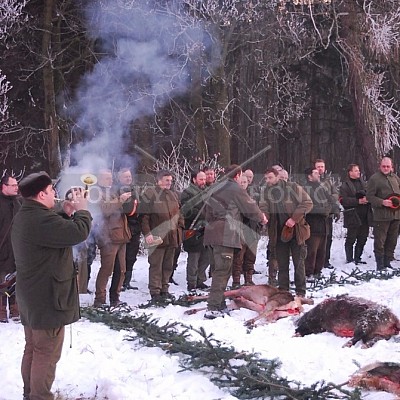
379 187
227 204
46 289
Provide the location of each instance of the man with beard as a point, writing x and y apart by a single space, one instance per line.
225 206
357 215
383 191
285 205
193 212
9 205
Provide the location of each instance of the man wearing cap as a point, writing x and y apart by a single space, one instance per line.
382 188
285 204
47 292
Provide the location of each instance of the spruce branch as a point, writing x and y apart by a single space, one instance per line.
245 375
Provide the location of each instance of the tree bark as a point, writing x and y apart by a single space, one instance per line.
50 114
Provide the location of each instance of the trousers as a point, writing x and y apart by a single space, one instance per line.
41 354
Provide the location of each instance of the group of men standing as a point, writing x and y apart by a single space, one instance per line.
217 219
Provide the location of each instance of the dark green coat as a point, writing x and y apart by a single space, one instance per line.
227 204
379 187
42 240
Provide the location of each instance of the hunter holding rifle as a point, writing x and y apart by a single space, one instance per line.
9 205
226 205
47 291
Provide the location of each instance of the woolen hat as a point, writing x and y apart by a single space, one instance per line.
34 183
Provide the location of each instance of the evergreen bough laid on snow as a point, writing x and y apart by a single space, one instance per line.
246 375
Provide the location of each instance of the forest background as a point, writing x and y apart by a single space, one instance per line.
128 81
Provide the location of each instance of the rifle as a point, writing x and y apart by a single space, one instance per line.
7 287
206 194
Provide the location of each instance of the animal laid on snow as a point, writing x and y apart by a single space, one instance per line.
353 317
270 302
378 376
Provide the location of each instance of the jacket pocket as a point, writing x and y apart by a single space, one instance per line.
65 292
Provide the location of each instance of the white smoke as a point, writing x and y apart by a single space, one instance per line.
143 66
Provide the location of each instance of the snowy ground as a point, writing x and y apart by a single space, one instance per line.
97 362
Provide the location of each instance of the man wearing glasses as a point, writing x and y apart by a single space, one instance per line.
383 191
9 205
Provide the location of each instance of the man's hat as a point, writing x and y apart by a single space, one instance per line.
34 183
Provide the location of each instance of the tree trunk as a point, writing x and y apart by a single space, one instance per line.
350 34
50 114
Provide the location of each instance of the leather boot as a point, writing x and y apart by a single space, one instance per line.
379 262
3 308
235 280
357 255
248 278
348 248
273 273
386 262
127 282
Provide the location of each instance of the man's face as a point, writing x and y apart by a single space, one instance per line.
244 182
210 176
355 173
10 188
386 166
271 179
165 182
320 167
249 174
125 178
200 180
48 197
315 176
105 179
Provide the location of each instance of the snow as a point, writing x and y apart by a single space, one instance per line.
98 363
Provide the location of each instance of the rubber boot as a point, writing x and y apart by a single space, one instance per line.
348 248
379 262
3 308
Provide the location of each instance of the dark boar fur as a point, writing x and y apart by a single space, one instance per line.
353 317
378 376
